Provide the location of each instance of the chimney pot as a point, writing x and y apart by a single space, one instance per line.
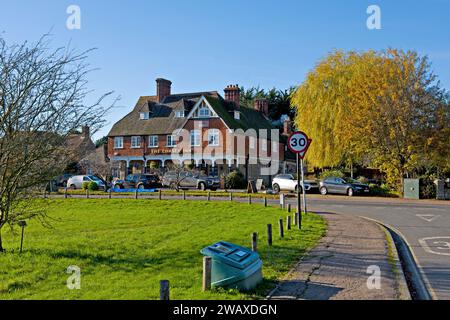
233 94
262 105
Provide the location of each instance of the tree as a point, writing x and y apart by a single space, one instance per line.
100 142
42 94
386 108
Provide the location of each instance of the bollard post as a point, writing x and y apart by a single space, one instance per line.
295 219
249 199
269 234
231 196
254 242
22 224
110 193
164 291
184 194
265 201
65 192
87 193
280 224
136 193
209 195
207 273
288 223
160 194
289 208
299 219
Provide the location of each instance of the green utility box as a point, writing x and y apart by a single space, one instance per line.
411 189
233 266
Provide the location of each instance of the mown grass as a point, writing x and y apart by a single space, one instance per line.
124 247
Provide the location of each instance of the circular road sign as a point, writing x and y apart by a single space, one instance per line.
298 142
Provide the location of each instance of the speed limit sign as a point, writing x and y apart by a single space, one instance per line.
299 143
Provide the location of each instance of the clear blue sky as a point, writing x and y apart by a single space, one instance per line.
207 44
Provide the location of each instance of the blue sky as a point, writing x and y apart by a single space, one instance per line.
207 44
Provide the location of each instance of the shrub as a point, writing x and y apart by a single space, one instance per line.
235 180
93 186
380 190
85 185
427 188
332 173
363 180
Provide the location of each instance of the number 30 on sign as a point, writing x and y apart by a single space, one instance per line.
299 143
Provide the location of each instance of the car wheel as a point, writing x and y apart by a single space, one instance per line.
141 187
276 188
301 190
202 186
350 192
73 187
323 191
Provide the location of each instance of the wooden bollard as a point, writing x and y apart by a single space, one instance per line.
299 219
269 234
254 242
160 195
65 193
209 195
265 201
289 208
207 273
288 223
231 196
136 193
249 199
164 291
110 193
87 193
280 225
184 194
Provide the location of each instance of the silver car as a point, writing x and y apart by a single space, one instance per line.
287 182
76 182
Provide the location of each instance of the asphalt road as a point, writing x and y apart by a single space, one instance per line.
425 225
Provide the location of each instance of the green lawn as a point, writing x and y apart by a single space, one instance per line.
125 246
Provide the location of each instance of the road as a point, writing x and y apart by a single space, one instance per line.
425 225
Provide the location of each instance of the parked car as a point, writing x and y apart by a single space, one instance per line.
287 182
189 179
138 181
76 182
61 181
346 186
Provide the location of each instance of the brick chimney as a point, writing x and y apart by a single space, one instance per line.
287 127
233 94
163 88
262 105
85 131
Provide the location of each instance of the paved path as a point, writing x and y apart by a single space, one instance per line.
337 268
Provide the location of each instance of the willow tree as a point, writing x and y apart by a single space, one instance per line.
386 107
42 93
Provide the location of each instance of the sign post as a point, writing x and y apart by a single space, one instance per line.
299 143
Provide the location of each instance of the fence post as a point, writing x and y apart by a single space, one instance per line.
184 194
209 195
160 194
207 273
164 293
65 192
281 200
288 222
249 199
231 196
110 193
295 219
299 218
265 201
254 241
87 193
136 193
280 224
289 208
269 234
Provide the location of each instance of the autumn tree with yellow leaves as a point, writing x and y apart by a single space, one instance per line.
385 109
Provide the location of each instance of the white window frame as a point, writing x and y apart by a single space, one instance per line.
200 109
215 134
118 142
173 142
144 115
133 140
151 140
179 114
251 142
264 144
195 134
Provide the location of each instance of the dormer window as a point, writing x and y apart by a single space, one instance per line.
179 114
203 112
145 115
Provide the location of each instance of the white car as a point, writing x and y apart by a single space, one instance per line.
287 182
76 182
